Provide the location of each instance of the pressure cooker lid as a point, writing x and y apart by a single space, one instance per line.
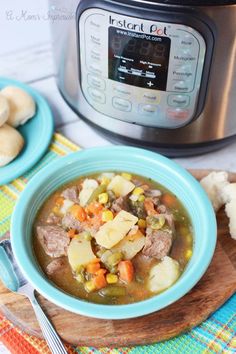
182 2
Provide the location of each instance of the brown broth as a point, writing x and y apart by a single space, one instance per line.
137 290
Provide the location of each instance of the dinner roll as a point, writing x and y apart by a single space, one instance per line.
22 105
4 110
11 143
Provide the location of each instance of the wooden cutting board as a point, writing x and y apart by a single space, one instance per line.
215 287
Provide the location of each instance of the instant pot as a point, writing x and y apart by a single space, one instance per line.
159 74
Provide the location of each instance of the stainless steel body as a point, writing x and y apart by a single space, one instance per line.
15 281
216 123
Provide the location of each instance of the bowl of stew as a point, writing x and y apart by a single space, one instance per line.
113 232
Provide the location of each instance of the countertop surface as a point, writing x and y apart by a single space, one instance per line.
26 55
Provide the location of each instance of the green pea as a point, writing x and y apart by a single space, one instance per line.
100 189
80 278
156 222
114 259
113 291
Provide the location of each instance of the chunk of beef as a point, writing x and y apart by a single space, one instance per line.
56 265
53 219
153 193
158 243
170 220
70 222
53 239
136 182
119 204
71 193
162 209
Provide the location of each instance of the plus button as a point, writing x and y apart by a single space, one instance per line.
150 84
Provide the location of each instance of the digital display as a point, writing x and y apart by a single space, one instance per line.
138 59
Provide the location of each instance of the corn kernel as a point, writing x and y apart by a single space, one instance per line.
111 278
89 286
55 209
141 198
107 215
142 223
138 191
103 198
126 175
188 254
105 181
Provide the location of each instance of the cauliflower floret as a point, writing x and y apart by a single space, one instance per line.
228 192
230 209
213 185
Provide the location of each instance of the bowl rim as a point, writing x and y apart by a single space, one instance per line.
184 284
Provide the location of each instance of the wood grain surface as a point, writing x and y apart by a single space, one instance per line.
215 287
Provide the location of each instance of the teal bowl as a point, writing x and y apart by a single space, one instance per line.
116 158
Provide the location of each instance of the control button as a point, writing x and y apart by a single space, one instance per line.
96 54
121 90
185 56
149 109
182 72
95 68
96 95
95 39
95 22
178 100
186 41
96 82
121 104
182 86
151 97
150 83
177 113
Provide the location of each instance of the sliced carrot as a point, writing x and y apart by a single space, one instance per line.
99 281
92 268
149 206
94 208
126 271
95 221
169 200
101 271
59 201
71 233
78 212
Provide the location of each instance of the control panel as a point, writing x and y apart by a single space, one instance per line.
140 71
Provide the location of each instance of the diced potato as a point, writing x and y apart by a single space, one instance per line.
130 245
88 186
80 252
163 275
67 204
108 175
120 186
114 231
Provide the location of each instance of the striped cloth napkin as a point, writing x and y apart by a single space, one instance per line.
215 335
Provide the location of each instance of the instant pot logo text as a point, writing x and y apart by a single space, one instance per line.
153 29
